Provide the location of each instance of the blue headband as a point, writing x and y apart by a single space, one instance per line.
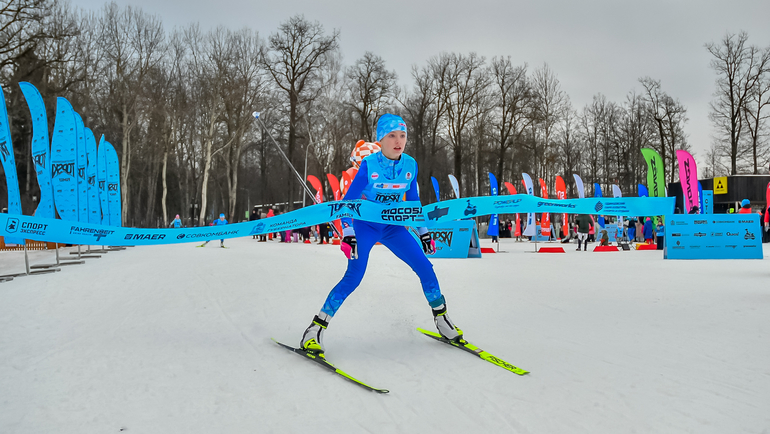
388 123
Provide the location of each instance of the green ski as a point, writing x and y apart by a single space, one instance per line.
321 360
476 351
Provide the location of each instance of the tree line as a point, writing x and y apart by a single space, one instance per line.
178 106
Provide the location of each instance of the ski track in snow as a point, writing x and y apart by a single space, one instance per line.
166 339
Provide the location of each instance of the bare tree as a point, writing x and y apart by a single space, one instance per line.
294 57
514 101
134 45
739 67
466 82
372 88
756 115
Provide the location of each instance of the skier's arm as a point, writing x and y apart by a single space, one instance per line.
354 191
413 194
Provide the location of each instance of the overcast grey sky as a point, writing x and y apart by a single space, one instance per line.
599 46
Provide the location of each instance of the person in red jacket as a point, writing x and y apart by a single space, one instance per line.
745 207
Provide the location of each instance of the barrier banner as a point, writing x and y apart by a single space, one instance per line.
41 149
403 214
713 236
8 161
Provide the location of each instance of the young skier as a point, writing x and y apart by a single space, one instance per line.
177 223
383 177
218 222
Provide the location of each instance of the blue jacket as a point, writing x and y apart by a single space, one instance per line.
648 229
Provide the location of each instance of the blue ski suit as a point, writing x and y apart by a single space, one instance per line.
386 181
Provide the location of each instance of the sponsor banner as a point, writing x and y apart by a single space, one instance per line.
457 209
713 236
41 155
688 177
539 236
434 181
530 229
579 186
455 186
494 224
62 231
402 214
63 161
656 183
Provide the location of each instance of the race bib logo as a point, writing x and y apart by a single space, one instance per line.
387 198
408 176
375 175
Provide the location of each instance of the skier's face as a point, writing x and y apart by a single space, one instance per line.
393 144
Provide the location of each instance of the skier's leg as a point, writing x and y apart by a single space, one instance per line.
405 247
366 236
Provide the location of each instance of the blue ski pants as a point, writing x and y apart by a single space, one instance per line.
402 244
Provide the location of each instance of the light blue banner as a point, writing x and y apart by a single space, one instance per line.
80 164
713 236
113 185
8 161
708 202
403 214
63 156
41 151
434 181
642 191
494 226
92 190
101 179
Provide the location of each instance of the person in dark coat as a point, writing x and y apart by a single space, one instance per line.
648 231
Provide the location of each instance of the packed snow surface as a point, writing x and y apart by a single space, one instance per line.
176 339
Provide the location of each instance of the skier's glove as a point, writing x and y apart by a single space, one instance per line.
428 245
348 246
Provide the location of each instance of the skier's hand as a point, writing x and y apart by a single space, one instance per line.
428 245
348 246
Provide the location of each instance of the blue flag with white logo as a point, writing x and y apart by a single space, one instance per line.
494 227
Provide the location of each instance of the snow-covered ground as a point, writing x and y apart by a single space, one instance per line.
176 339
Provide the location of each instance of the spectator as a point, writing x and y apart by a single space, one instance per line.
745 207
631 229
648 231
660 232
177 223
584 226
254 216
605 239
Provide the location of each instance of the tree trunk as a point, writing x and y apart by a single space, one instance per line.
206 167
125 166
